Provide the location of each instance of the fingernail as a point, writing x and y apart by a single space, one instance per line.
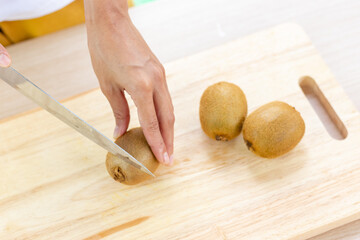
4 60
166 158
116 132
171 159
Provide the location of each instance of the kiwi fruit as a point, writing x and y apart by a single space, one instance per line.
134 142
273 129
223 109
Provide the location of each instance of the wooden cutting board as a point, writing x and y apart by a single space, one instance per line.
54 185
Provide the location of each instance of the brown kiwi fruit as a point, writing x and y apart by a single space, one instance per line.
134 142
223 109
273 129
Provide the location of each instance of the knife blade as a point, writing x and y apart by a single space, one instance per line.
50 104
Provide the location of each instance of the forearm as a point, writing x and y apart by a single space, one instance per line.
105 11
109 25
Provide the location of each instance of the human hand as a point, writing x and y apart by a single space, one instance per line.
5 59
122 62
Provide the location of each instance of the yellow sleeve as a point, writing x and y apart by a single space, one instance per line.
16 31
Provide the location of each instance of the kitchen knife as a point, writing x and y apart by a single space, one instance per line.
44 100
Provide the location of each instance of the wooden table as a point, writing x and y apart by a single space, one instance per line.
176 28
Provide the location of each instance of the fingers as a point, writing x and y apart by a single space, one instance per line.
150 124
5 59
120 109
165 115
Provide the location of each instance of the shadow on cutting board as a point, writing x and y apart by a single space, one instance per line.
265 170
235 152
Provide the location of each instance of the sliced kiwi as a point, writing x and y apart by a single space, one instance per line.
134 143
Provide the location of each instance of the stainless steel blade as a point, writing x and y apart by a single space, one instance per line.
30 90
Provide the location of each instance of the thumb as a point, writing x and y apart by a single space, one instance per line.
120 109
5 59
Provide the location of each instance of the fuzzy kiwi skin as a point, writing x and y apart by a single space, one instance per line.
223 109
273 129
134 142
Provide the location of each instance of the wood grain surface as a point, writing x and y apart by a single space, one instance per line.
347 232
54 183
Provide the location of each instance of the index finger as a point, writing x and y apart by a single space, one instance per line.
151 128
